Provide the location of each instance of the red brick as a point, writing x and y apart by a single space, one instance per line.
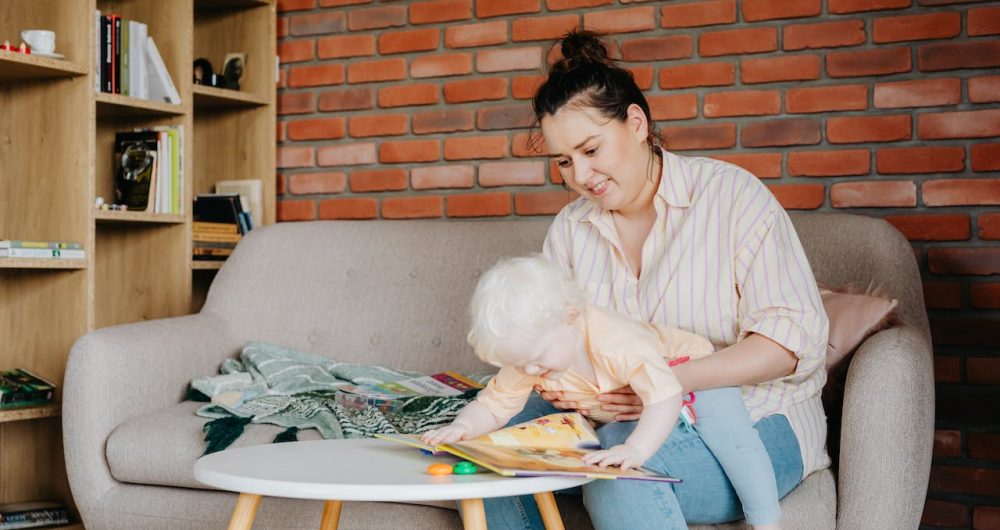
962 330
559 5
699 74
282 78
554 174
316 129
528 144
519 116
942 295
989 226
408 41
743 103
953 56
855 6
798 196
347 99
773 69
861 129
407 95
543 202
341 46
932 227
947 370
473 147
295 5
824 35
658 48
964 124
868 62
446 120
378 180
317 183
762 165
956 192
673 106
440 176
525 86
379 70
643 76
279 185
377 125
873 194
986 157
714 136
965 480
409 151
302 210
497 8
279 131
543 28
440 11
778 132
826 98
984 89
985 445
918 93
481 89
482 34
295 103
916 27
912 160
983 21
339 3
294 157
493 174
421 207
985 295
376 18
986 518
694 14
347 154
318 75
317 24
354 208
738 41
281 27
829 163
621 20
506 59
441 65
968 261
496 204
947 443
295 51
944 514
757 10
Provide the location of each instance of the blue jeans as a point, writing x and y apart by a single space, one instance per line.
705 496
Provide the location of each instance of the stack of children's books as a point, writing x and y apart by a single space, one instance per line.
19 388
13 248
32 515
214 241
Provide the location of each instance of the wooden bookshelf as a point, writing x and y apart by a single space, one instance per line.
57 158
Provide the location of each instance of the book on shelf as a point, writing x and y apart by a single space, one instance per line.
35 514
16 243
19 388
552 445
251 192
390 396
222 208
208 227
149 169
128 62
55 253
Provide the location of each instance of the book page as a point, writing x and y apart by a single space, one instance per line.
561 430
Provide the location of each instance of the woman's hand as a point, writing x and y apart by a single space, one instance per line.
555 397
623 402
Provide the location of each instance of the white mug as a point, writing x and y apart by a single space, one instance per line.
40 40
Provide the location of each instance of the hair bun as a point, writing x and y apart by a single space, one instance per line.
581 47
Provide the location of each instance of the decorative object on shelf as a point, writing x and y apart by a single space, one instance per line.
135 174
204 74
41 41
232 69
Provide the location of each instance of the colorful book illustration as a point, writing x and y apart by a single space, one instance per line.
388 397
552 445
20 387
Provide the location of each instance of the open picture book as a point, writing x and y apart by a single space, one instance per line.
552 445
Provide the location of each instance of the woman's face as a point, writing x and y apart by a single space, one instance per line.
604 160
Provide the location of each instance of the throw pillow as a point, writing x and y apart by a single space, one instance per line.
854 316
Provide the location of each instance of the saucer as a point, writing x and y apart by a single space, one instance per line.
52 55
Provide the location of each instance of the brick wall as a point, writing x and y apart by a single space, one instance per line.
891 108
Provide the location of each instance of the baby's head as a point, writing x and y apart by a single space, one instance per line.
526 313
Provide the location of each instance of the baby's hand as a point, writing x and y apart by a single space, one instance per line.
624 456
444 435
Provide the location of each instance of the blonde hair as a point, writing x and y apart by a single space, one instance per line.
519 297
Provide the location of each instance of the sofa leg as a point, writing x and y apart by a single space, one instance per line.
331 515
245 512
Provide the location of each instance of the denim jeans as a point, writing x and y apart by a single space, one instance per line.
704 496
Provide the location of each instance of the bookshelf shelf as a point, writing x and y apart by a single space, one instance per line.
199 265
30 413
119 106
16 66
42 263
111 216
206 97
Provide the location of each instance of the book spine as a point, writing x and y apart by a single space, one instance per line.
14 243
18 398
116 45
42 253
106 54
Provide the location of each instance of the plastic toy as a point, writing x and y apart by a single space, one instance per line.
439 469
465 468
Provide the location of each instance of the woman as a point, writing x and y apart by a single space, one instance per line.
687 242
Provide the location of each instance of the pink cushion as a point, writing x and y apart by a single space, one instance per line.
853 318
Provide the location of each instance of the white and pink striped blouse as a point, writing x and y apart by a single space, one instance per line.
722 261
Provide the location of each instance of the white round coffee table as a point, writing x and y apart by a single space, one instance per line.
362 470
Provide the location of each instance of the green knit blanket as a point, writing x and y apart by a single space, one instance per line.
295 390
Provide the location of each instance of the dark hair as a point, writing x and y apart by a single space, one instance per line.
588 77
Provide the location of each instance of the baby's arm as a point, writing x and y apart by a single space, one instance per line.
474 420
652 429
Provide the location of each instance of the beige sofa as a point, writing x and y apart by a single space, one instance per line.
395 293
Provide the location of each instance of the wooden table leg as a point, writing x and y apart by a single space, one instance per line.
549 510
245 512
331 515
473 514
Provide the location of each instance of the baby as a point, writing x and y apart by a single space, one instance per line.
531 320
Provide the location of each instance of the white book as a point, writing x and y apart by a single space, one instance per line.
97 50
42 253
251 192
161 87
141 62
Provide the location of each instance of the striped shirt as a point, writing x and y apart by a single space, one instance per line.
722 261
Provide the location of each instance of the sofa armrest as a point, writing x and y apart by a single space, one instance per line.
887 431
119 372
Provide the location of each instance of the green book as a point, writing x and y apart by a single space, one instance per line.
20 387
